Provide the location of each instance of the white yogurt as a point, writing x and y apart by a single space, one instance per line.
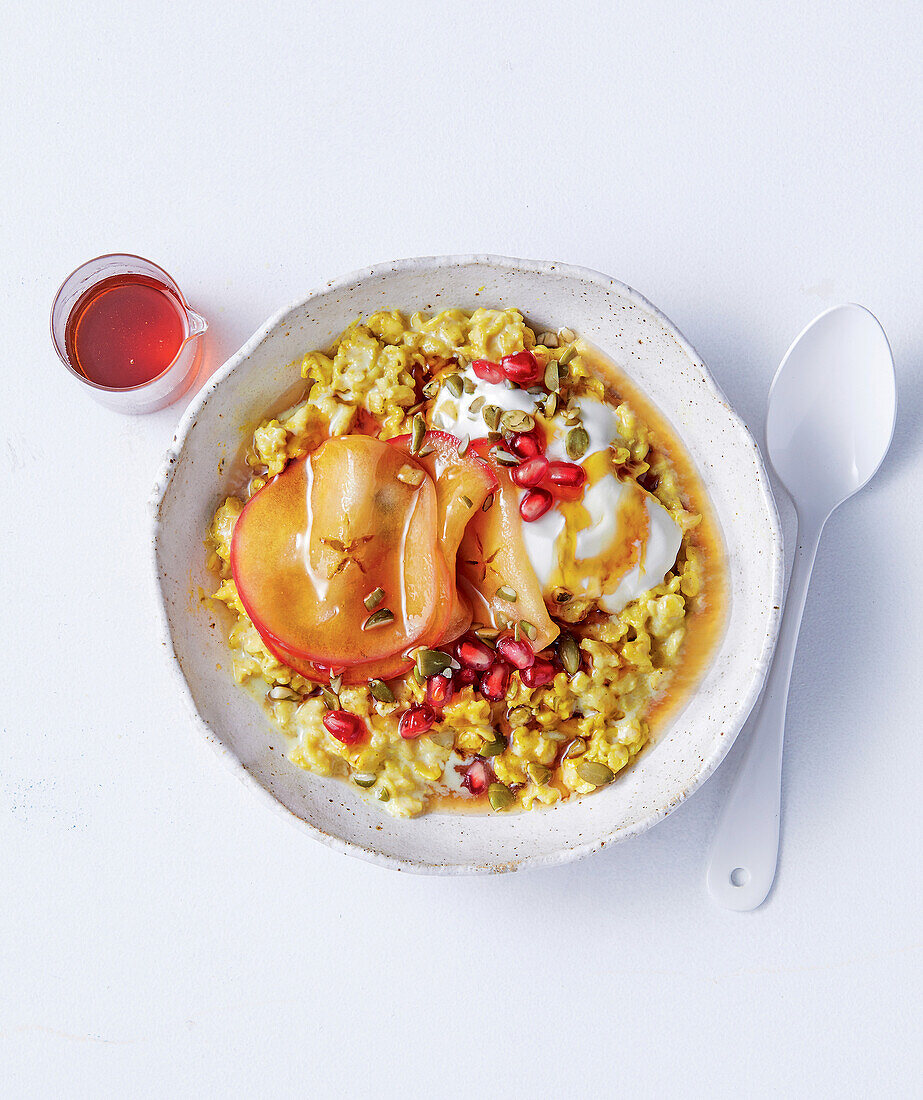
599 422
452 779
540 538
658 557
453 414
602 501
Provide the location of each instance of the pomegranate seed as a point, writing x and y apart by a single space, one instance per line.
540 673
439 691
473 653
345 727
416 721
477 777
522 368
495 681
489 372
517 653
567 474
527 444
531 472
534 504
465 677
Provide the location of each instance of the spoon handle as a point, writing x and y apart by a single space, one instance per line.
745 848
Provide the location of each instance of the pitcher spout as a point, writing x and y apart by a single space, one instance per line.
197 323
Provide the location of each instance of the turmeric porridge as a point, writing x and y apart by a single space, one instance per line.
470 566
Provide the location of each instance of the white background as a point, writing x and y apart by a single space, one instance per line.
161 933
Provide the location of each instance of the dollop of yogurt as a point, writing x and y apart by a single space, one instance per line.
601 535
454 414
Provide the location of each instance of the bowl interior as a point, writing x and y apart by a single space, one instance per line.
645 345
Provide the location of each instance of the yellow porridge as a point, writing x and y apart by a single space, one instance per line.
468 567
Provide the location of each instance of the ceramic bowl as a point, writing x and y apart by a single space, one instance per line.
649 348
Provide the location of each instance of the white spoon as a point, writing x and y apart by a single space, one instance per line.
831 417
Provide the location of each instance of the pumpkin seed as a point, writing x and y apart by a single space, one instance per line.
430 662
493 748
577 442
516 631
504 457
335 684
491 414
519 716
568 354
597 774
455 385
379 690
373 599
384 795
330 700
417 432
470 387
444 738
501 797
280 693
494 437
534 391
468 501
464 445
477 404
487 634
507 593
411 475
488 503
527 628
552 377
569 652
539 774
577 747
431 388
426 449
516 421
551 405
380 618
364 779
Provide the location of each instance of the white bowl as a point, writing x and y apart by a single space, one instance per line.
645 344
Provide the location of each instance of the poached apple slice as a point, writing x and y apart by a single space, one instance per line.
387 667
463 483
333 527
492 559
456 477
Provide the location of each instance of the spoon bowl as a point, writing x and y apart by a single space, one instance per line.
831 409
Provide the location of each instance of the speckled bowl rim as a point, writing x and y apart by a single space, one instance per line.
565 854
